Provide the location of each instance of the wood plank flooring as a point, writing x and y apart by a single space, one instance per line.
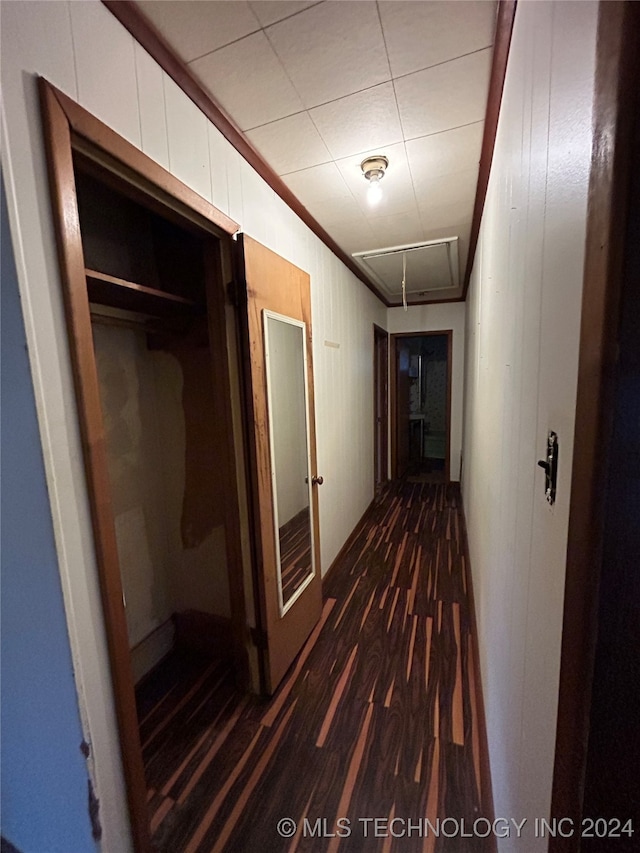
377 717
295 552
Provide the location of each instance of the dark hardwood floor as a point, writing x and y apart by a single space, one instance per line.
377 717
295 552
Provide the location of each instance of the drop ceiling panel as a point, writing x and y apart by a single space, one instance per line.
444 153
396 230
365 120
319 184
456 188
332 50
290 144
419 35
336 212
196 28
318 86
444 97
354 234
271 11
247 79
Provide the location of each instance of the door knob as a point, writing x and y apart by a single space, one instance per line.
317 481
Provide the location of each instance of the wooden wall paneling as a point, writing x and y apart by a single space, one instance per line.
136 162
69 242
616 81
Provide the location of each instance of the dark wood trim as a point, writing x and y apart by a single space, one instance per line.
380 334
351 538
616 79
68 129
501 45
486 792
144 32
148 36
449 402
216 302
71 261
393 393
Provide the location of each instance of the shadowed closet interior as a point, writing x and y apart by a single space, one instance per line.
159 408
166 448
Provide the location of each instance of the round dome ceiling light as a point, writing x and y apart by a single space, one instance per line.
373 168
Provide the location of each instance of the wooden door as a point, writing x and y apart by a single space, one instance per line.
380 371
403 408
276 319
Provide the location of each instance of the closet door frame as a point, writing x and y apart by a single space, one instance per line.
68 127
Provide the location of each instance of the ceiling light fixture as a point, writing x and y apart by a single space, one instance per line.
373 168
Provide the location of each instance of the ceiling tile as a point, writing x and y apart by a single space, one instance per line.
365 120
196 28
318 184
444 97
419 35
456 188
271 11
247 79
355 236
445 153
332 50
335 212
397 189
290 144
396 230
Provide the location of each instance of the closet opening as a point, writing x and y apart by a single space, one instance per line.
148 280
421 406
145 268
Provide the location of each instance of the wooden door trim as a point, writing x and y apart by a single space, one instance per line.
617 71
380 334
133 164
68 128
393 393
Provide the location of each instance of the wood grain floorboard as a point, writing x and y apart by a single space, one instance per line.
377 717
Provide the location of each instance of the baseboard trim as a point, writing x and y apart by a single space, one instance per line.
348 543
149 651
486 792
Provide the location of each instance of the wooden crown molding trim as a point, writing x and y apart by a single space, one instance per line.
152 41
84 124
501 45
143 31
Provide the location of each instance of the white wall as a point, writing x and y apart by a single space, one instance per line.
523 319
84 51
435 318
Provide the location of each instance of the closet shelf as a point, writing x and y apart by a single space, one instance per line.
118 293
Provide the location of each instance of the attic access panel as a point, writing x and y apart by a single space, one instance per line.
430 266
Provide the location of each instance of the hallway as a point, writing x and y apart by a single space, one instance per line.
377 718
